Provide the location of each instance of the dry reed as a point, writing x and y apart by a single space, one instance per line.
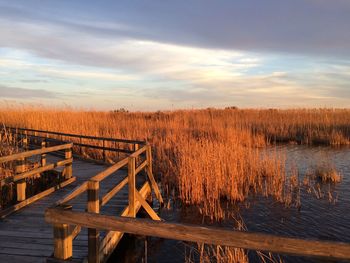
207 155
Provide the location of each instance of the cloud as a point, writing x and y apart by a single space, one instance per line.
153 54
317 27
21 93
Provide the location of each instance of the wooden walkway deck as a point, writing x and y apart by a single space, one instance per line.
26 237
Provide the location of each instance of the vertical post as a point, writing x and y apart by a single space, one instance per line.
103 150
68 170
132 185
150 174
21 185
81 147
93 234
136 147
43 156
63 241
25 141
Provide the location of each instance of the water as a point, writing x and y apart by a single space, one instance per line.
316 219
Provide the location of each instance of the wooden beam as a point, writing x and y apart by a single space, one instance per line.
30 200
68 170
41 169
139 151
115 167
43 156
63 242
18 156
113 191
149 171
141 167
147 207
93 233
112 238
132 186
73 194
208 235
21 190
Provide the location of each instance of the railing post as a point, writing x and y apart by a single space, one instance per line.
150 174
136 147
43 156
132 185
25 141
63 241
103 150
21 185
93 234
68 170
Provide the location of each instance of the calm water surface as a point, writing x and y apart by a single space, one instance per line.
316 219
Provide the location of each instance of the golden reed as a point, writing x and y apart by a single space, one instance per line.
206 155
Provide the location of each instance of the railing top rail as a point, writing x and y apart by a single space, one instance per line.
105 173
80 189
208 235
81 136
138 152
26 154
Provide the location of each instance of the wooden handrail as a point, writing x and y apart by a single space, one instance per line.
113 191
101 249
76 192
41 169
208 235
102 175
139 152
26 154
141 167
80 136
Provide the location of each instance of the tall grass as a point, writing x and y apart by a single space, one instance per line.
206 155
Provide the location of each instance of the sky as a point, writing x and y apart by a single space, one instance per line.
156 55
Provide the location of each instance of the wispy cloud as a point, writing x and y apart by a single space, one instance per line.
22 93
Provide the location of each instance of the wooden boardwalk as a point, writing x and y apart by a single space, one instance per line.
83 216
26 237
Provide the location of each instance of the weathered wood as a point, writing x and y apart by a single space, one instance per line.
115 167
73 194
21 190
112 238
93 233
68 170
113 191
149 171
43 156
75 230
139 151
41 170
78 135
30 200
63 242
208 235
141 167
18 156
132 186
147 207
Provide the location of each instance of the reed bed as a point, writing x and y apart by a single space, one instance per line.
205 155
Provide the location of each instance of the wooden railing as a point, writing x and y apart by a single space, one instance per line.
81 142
100 249
208 235
22 173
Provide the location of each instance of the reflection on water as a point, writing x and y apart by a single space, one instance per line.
316 219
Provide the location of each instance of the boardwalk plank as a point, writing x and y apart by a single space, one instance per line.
26 237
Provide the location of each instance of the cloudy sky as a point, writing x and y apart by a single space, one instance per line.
150 55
